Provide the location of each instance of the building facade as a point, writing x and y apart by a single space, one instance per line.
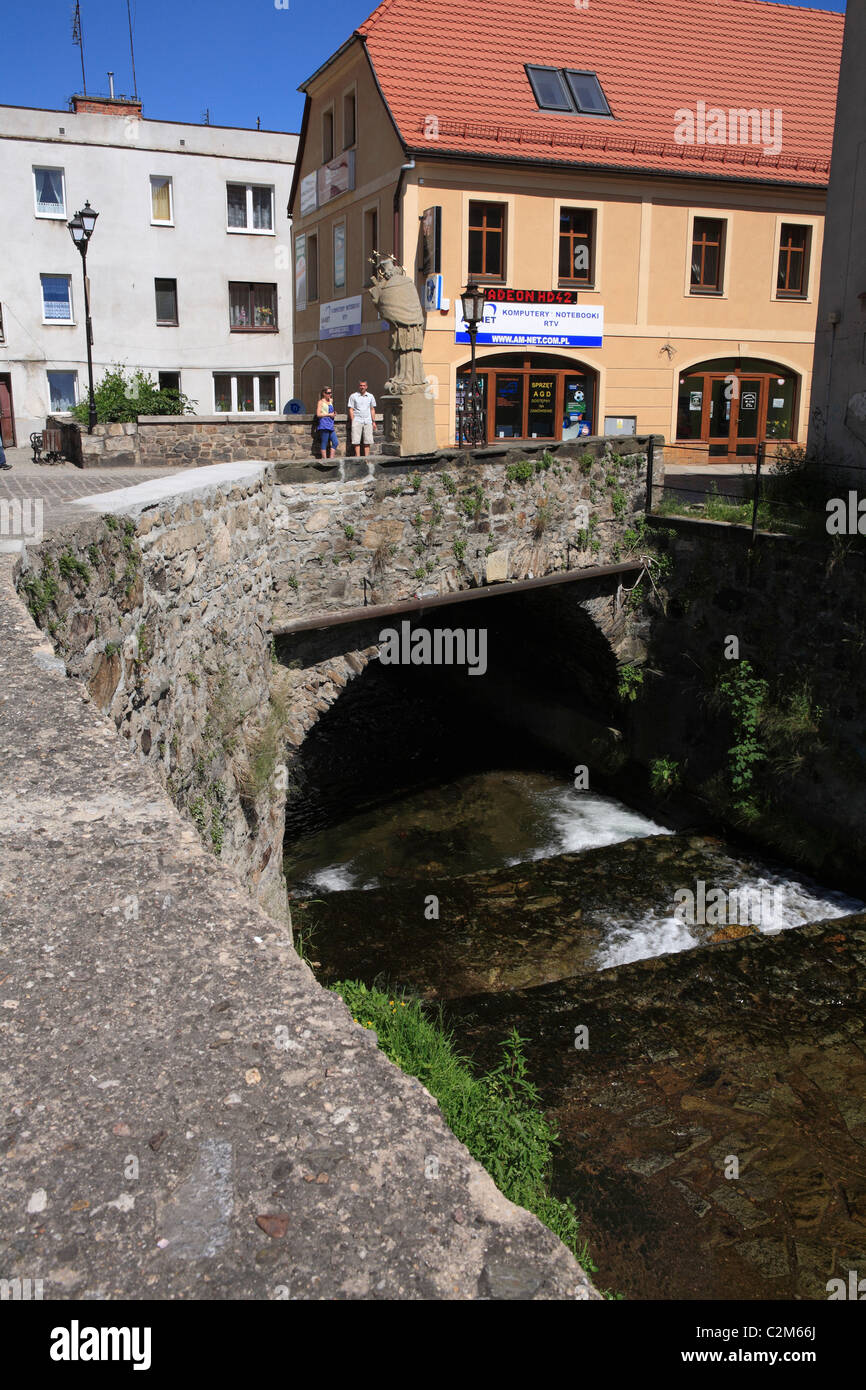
644 209
838 426
189 264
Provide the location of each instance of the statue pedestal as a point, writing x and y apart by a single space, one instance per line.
409 424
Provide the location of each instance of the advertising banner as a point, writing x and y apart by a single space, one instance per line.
513 324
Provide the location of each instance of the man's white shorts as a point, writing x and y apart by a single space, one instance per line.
362 432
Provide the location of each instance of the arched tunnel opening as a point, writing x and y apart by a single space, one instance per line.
541 701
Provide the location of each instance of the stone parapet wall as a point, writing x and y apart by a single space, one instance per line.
195 441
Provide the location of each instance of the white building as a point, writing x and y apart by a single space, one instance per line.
189 263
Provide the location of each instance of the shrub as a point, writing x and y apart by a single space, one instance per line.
121 398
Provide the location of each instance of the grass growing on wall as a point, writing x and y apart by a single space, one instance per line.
497 1115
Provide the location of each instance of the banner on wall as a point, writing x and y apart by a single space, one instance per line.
514 324
301 270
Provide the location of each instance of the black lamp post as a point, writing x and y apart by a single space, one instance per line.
472 300
81 230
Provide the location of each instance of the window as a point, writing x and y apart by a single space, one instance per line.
792 281
568 90
586 93
312 267
166 302
708 250
548 85
161 200
371 239
328 136
250 208
244 392
487 240
252 308
576 227
63 390
339 256
50 192
169 381
348 120
56 298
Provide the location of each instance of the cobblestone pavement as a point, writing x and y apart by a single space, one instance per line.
58 485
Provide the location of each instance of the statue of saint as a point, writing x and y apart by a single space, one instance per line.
396 299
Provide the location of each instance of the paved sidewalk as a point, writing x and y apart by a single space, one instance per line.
57 485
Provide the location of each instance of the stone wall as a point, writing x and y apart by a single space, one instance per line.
165 604
797 610
194 441
163 611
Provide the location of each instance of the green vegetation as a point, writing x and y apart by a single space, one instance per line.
498 1115
665 775
263 751
460 550
121 398
415 482
585 463
742 695
93 556
349 532
630 682
526 469
619 503
449 484
473 502
42 591
73 568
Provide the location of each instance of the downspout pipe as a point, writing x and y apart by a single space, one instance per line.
398 209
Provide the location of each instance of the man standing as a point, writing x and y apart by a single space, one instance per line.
362 418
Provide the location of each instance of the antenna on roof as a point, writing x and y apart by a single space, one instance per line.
78 38
132 52
205 117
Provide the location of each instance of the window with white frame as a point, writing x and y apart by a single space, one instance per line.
56 298
63 390
252 308
250 207
237 392
161 201
50 192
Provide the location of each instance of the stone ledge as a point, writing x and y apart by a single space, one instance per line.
151 1011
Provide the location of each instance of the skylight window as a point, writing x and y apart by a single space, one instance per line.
586 91
567 90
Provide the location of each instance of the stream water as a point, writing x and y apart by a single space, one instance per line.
507 897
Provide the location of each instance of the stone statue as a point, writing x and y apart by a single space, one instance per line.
396 299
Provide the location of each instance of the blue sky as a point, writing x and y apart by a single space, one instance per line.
242 59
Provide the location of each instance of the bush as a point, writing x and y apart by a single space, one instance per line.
498 1116
120 399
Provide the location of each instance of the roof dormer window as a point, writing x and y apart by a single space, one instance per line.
568 90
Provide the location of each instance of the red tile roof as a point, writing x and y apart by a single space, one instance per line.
463 63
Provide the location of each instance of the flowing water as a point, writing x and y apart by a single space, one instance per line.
514 900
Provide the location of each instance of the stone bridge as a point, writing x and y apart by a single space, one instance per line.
213 615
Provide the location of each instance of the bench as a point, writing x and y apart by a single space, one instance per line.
47 446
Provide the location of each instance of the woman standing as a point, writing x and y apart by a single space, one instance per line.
325 425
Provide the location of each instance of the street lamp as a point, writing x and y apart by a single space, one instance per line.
472 301
81 230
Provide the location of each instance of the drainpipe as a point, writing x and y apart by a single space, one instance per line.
398 199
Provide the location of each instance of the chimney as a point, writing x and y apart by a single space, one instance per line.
111 85
107 106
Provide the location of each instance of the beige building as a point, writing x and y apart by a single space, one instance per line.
650 241
839 394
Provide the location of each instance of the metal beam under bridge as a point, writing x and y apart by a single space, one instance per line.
420 605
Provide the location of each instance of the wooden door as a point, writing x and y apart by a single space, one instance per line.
7 415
